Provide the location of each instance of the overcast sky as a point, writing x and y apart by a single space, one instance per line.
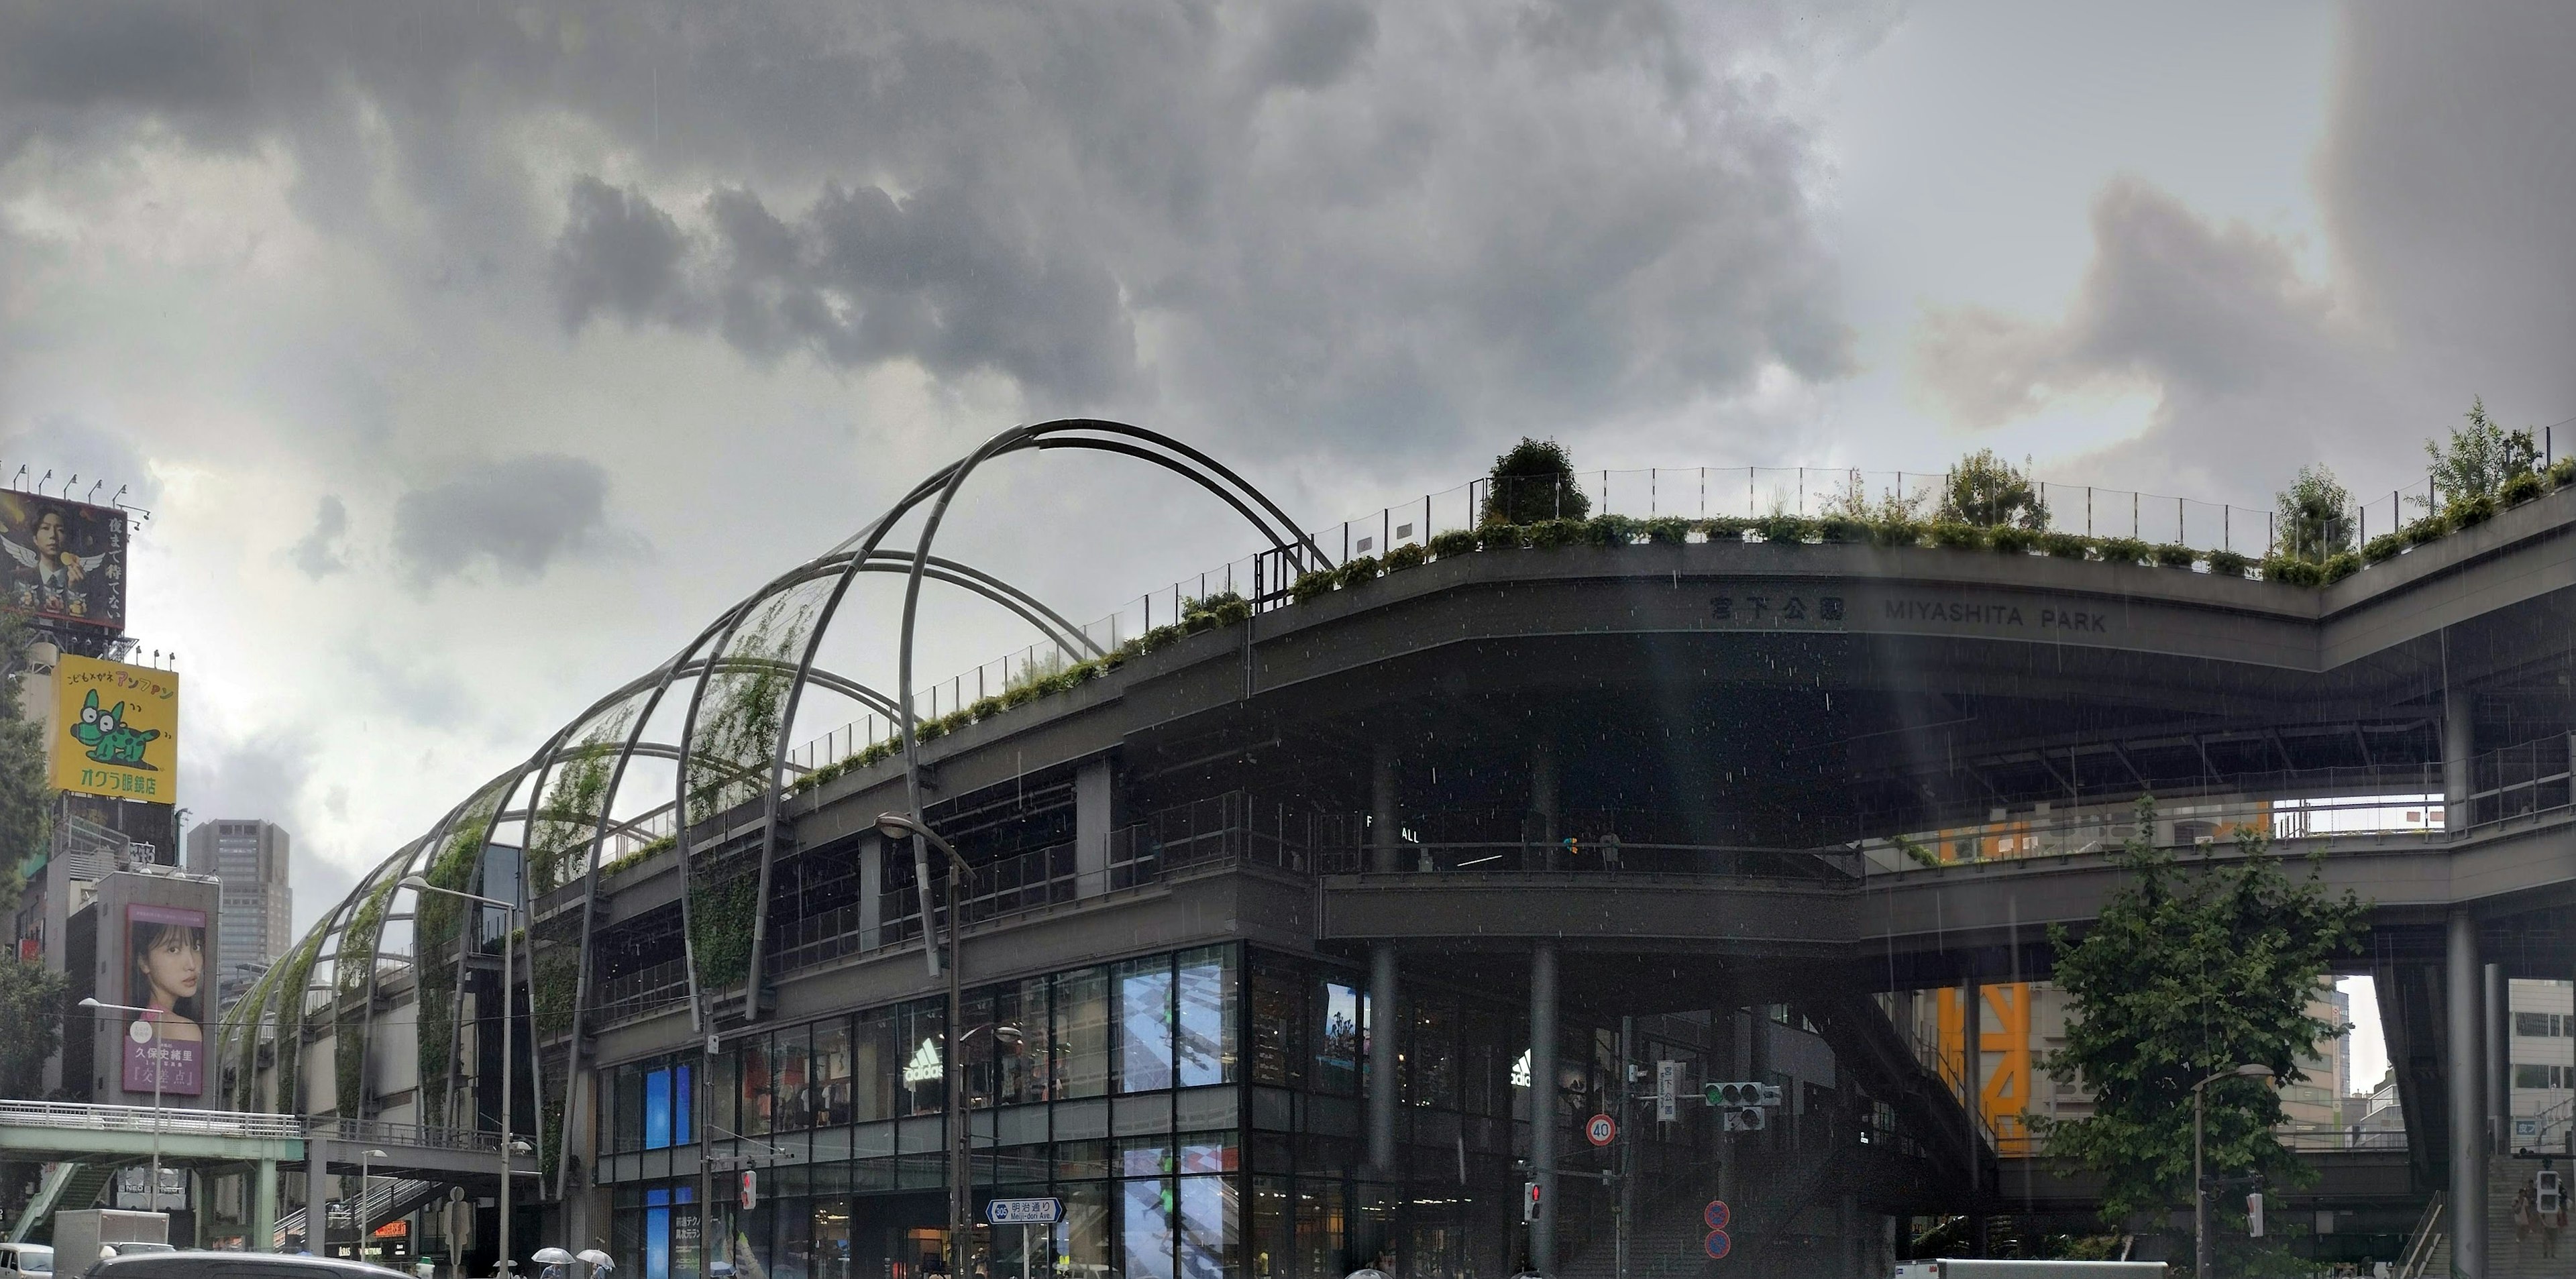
470 355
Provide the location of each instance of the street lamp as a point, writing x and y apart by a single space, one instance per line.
2201 1260
510 911
894 826
365 1157
146 1031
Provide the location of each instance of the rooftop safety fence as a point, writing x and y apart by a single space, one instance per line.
1264 579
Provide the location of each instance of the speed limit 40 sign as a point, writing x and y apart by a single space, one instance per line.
1601 1130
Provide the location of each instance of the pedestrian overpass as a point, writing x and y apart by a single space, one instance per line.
84 1145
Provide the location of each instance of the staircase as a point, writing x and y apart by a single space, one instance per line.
2507 1256
387 1199
66 1185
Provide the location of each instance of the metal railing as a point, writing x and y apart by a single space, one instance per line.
170 1121
2102 828
1596 857
643 991
378 1132
1263 579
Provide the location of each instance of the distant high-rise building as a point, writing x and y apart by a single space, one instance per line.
250 858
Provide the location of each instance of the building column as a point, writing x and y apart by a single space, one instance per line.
1542 1105
1386 845
263 1209
2466 1072
2459 743
2499 1075
1384 1027
1092 793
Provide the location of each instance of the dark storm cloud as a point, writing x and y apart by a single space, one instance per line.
1300 224
320 552
859 278
520 515
2444 181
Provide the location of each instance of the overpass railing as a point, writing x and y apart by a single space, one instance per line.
2102 828
377 1132
169 1121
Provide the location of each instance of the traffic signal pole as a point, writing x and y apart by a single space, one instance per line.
1627 1151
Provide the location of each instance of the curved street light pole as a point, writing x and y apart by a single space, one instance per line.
509 913
961 1227
2202 1261
151 1018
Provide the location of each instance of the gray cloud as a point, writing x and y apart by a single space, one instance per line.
2451 275
1311 45
521 515
320 553
618 254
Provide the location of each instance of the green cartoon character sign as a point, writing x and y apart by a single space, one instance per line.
109 739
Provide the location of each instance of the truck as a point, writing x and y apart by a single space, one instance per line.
1973 1268
82 1236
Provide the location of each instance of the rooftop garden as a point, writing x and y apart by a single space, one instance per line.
1534 500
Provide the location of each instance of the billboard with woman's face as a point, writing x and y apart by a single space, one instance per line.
165 972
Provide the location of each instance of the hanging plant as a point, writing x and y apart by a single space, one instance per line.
437 919
569 815
738 723
720 924
349 974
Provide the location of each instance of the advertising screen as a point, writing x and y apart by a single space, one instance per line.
165 972
115 730
64 560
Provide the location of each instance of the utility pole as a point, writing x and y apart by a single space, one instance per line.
1627 1152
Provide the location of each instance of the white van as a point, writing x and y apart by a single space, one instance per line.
25 1258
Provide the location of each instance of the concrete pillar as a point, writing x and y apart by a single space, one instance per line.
263 1209
2466 1072
1386 848
1092 794
2459 742
1972 1052
1385 1027
2499 1074
1542 1105
1543 803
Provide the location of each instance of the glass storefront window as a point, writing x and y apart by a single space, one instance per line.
1082 1238
752 1069
794 1109
684 1127
832 1256
1082 1032
657 1108
1337 1039
626 1108
1278 1027
1208 1227
976 1043
1204 1040
721 1094
1269 1240
831 1073
1020 1035
1431 1058
876 1066
1145 1024
1145 1227
925 1079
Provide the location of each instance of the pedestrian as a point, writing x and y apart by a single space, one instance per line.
2522 1214
1610 851
2550 1224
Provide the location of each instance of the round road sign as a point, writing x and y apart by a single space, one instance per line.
1716 1214
1600 1131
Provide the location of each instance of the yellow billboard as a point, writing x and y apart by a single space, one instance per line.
115 730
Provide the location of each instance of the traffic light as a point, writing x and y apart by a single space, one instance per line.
1529 1201
1747 1119
1740 1094
2254 1214
2549 1197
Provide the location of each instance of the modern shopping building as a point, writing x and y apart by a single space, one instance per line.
1310 923
250 857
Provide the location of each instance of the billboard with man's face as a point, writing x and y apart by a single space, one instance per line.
63 560
165 972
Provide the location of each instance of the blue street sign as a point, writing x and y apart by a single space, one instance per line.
1024 1212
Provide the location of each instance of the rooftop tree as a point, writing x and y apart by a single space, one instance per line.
1534 482
1989 492
2478 458
2316 516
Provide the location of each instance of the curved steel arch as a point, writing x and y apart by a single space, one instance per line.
1083 433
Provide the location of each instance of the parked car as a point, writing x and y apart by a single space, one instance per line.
25 1259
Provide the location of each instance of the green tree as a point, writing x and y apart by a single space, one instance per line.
2316 516
31 996
2478 458
1989 492
1534 482
2190 970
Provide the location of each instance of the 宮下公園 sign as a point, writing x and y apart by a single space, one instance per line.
115 730
1024 1212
